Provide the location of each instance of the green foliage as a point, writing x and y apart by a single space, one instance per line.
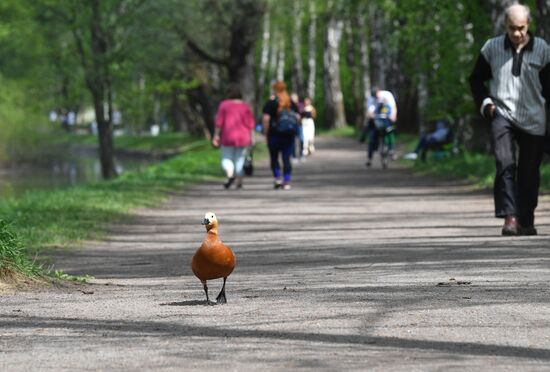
61 275
21 127
475 167
12 256
439 40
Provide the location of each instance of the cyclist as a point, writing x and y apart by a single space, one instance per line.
381 130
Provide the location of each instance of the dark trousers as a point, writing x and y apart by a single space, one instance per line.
516 187
281 145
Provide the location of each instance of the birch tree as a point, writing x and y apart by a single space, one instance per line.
334 98
263 63
297 68
364 58
312 48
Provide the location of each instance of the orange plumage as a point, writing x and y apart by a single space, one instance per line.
213 259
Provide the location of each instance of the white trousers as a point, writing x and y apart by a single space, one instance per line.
308 130
233 160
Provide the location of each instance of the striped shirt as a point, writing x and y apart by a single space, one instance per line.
519 82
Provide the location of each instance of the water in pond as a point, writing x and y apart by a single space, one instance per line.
61 167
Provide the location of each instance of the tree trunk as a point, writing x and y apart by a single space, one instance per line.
281 60
334 99
264 59
364 52
355 116
422 95
298 74
377 26
99 83
246 19
543 19
311 62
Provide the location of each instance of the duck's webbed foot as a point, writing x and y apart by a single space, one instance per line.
221 297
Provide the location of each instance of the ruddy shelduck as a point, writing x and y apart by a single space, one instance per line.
213 260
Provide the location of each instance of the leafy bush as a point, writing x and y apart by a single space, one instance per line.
22 130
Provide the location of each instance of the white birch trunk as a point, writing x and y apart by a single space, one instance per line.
274 53
312 32
264 59
364 54
422 90
298 75
334 98
281 60
247 80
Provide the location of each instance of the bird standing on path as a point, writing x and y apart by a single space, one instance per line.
213 260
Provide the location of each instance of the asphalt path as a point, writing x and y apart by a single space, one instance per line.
352 269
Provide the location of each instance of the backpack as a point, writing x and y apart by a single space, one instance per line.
286 123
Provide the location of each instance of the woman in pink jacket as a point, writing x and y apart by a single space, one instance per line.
234 132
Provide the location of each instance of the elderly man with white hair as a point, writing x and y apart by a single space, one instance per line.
516 66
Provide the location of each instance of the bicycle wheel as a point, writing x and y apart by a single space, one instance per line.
383 150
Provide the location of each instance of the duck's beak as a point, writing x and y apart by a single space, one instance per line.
206 221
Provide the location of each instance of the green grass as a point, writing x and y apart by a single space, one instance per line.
55 218
477 168
162 142
12 254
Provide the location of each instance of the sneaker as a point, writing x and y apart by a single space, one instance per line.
286 186
277 184
511 226
368 164
411 156
229 182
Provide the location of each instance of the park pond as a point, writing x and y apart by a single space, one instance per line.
64 166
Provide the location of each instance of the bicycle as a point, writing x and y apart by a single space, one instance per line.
386 140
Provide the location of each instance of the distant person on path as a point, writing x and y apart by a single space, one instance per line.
280 139
369 120
517 67
234 133
382 129
388 97
438 136
308 127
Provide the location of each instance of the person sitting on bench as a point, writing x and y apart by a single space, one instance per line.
440 136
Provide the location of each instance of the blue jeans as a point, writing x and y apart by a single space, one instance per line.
281 145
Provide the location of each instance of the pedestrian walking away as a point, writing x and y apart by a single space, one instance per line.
516 66
234 134
309 115
280 123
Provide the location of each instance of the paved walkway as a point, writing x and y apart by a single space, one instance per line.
353 269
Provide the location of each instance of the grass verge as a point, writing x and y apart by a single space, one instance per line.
478 168
55 218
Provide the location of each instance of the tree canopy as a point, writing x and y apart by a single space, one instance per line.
170 61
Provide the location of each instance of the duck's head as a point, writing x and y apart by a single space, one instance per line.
210 221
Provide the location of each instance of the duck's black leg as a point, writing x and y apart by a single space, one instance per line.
221 297
206 291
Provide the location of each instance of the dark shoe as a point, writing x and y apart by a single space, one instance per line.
368 164
528 231
277 185
511 226
229 182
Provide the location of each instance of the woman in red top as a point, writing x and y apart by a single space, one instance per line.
234 133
